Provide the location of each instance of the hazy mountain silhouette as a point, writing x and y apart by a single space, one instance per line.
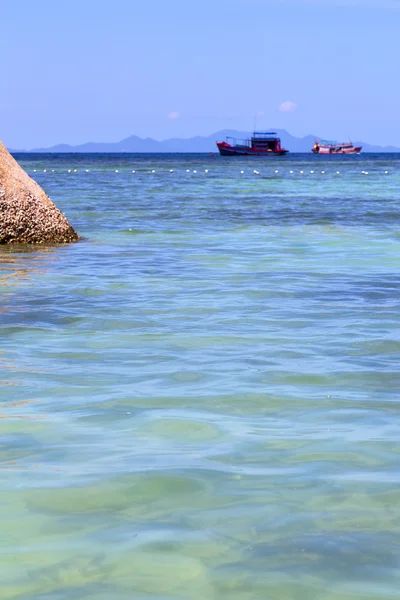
134 143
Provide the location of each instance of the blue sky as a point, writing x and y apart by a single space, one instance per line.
92 70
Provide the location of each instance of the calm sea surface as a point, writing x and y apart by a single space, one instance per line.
200 399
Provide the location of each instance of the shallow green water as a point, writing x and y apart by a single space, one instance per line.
199 400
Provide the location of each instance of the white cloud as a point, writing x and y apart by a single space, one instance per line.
173 116
287 106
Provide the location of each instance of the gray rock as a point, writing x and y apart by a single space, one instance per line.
27 215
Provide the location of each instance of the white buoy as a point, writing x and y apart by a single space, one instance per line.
194 171
153 171
87 170
187 170
52 171
171 170
205 170
69 170
276 171
323 172
44 170
256 172
133 171
386 172
116 171
291 172
34 170
311 172
242 172
75 170
366 173
301 172
337 172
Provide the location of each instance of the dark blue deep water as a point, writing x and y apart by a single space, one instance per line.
200 399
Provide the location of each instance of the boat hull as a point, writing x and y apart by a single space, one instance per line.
232 151
343 151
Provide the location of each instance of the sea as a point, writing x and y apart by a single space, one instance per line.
199 400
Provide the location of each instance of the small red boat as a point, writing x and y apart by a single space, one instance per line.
260 144
323 147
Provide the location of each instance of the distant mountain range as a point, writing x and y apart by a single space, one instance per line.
194 144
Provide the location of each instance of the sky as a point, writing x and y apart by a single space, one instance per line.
93 70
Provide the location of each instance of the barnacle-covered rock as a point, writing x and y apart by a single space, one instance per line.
27 215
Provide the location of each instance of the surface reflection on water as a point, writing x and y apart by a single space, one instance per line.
23 261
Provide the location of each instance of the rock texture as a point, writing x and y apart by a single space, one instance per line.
27 215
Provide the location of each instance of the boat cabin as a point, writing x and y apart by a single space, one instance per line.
265 141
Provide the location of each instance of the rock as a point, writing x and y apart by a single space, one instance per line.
27 215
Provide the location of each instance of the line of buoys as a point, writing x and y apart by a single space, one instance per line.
117 171
255 171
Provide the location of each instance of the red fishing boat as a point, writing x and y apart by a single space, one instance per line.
324 147
260 144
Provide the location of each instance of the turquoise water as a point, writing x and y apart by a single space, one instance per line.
199 399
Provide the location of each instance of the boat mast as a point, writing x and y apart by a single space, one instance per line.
255 122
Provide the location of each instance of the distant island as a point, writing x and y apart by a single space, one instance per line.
196 144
